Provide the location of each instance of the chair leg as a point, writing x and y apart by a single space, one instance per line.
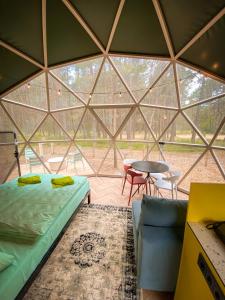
154 191
131 188
149 183
146 188
134 192
124 184
172 192
158 193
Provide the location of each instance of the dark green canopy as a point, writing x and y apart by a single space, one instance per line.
71 30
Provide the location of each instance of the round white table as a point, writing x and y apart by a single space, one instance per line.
55 162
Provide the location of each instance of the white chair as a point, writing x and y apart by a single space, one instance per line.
73 158
129 161
168 183
158 176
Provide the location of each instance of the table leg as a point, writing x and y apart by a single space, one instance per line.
149 180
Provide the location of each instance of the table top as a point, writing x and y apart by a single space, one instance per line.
150 166
212 245
55 159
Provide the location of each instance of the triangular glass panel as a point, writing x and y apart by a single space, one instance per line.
7 125
206 170
60 97
80 77
220 138
32 93
27 119
195 86
13 174
76 163
133 150
181 131
49 130
109 88
220 154
153 153
94 151
30 162
207 116
112 164
52 154
69 119
7 161
90 128
139 73
180 157
135 129
164 92
15 171
158 119
112 117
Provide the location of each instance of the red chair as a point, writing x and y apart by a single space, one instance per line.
133 178
126 167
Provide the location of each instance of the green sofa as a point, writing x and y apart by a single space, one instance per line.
158 225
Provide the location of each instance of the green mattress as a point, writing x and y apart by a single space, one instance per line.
27 257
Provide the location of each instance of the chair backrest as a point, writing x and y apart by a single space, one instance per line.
77 156
29 153
174 177
126 168
74 156
132 173
129 161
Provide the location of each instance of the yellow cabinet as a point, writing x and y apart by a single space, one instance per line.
203 279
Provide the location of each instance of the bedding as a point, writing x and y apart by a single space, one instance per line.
28 256
26 212
5 260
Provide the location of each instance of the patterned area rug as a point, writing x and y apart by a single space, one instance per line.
93 261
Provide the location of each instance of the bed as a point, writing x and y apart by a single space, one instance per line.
29 258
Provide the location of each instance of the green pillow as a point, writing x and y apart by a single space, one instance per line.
5 260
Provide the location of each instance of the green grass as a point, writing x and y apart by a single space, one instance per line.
181 149
135 146
90 144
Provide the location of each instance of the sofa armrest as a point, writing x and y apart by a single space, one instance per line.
162 212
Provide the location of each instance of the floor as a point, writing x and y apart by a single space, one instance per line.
107 191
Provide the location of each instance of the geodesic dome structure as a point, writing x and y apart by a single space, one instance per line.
88 85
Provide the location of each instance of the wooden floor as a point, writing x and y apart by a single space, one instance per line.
107 191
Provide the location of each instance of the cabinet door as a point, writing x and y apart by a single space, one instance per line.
191 283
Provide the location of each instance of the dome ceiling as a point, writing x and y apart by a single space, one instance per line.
38 35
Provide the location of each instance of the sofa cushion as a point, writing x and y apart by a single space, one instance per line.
163 212
159 251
